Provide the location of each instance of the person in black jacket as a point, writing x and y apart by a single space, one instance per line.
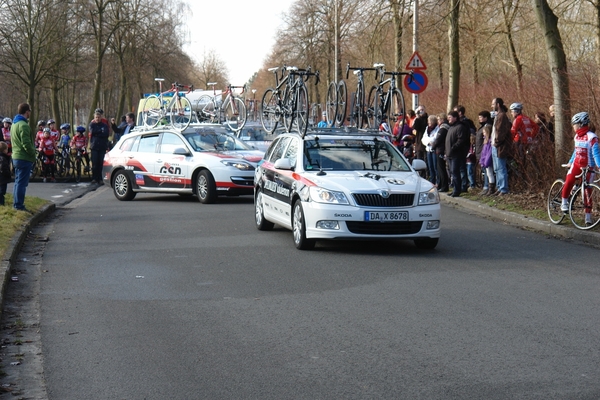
5 173
99 133
439 147
457 148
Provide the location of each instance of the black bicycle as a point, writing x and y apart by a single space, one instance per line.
335 108
358 106
381 102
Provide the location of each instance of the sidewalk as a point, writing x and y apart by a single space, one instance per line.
565 230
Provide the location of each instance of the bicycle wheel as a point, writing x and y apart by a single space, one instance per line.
59 165
289 107
584 207
331 107
374 110
302 110
206 109
234 113
152 111
356 118
269 110
342 96
181 113
396 106
554 201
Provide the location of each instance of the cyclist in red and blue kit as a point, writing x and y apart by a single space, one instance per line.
586 153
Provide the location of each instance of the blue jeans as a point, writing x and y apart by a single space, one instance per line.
471 174
432 166
500 170
22 173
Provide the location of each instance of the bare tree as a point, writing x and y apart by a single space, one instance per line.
454 54
557 62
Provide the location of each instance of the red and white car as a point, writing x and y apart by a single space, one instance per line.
200 160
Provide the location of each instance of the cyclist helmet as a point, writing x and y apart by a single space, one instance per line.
516 107
99 111
80 129
51 121
7 120
41 122
581 118
65 127
407 138
47 130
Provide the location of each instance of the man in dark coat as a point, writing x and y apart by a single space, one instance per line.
457 148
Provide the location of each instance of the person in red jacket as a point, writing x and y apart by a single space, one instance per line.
524 129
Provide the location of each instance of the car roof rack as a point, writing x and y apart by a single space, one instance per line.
346 131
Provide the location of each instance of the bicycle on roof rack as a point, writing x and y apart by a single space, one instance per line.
178 108
358 107
231 110
288 100
388 103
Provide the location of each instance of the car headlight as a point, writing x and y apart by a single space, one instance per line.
430 197
321 195
239 165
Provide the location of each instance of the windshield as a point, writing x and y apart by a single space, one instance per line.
211 141
352 155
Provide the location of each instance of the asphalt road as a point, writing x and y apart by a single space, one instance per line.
166 298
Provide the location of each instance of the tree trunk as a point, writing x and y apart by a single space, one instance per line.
454 55
55 104
557 62
398 32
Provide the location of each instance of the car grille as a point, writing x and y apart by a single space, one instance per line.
384 228
376 200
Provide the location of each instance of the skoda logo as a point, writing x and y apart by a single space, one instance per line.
385 194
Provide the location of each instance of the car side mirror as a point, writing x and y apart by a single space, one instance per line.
419 165
283 163
180 151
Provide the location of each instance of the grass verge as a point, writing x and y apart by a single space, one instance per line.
12 220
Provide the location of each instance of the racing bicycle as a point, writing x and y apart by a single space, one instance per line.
584 201
388 103
274 101
296 107
178 109
357 110
232 110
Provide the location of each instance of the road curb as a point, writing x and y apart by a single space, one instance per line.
17 243
564 231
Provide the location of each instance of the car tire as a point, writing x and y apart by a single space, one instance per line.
299 228
122 186
259 216
206 187
426 243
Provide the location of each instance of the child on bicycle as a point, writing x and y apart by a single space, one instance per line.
585 154
64 137
79 143
47 149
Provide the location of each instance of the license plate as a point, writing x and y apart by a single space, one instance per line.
395 216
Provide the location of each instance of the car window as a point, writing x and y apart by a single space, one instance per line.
127 144
148 144
292 151
352 154
170 142
277 149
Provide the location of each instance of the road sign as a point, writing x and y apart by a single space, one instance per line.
415 62
417 84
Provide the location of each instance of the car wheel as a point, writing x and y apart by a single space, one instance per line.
122 187
426 243
299 228
261 223
206 188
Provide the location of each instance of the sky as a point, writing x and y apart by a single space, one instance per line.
242 32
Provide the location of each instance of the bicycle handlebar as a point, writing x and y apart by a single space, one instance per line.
361 69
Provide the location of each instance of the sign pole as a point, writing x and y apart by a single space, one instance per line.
415 96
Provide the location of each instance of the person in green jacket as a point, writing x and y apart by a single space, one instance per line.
23 155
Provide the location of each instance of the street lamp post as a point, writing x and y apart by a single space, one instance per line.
254 104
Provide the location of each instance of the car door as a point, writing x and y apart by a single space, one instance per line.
143 160
273 208
173 170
